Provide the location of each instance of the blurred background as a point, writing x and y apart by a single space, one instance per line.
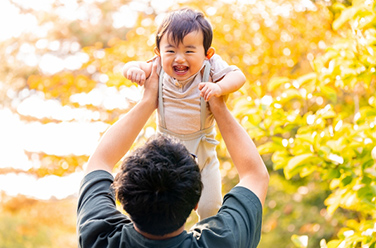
309 104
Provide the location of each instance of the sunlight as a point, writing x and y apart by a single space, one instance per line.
20 22
39 108
108 97
11 138
125 17
44 188
75 131
61 139
45 5
64 138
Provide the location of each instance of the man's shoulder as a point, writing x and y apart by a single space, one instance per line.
244 194
237 224
97 215
97 174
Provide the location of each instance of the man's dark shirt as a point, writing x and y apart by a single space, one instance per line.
100 224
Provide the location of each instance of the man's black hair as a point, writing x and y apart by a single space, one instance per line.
159 184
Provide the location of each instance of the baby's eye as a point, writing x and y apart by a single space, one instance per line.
190 51
169 51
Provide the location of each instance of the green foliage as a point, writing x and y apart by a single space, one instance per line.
296 207
312 112
323 124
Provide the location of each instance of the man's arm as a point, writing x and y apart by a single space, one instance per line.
252 171
120 136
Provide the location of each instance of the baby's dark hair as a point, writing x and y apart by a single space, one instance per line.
177 24
159 185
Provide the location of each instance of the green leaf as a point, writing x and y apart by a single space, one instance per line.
368 164
334 183
276 82
307 78
268 147
334 243
307 137
306 171
365 192
332 201
345 181
294 164
366 180
324 151
329 114
338 7
279 159
329 93
289 94
333 173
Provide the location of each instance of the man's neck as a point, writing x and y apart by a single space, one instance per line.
158 237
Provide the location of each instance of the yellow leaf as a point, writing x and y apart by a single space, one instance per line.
307 78
276 82
291 169
345 16
300 241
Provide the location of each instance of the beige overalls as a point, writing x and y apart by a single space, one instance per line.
181 110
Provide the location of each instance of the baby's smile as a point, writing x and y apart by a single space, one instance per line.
180 69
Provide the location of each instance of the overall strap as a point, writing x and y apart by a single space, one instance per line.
205 78
160 100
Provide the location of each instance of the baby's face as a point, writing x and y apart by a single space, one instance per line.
185 59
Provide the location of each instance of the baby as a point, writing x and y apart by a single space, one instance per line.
190 73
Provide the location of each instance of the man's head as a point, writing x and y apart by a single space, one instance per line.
183 42
159 184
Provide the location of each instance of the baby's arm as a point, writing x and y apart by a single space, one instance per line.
231 82
137 71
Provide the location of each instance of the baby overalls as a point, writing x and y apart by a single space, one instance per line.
201 143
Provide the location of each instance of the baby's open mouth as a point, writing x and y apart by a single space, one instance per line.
180 68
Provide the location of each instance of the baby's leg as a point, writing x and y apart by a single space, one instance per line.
211 197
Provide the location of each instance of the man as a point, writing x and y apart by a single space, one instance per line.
159 185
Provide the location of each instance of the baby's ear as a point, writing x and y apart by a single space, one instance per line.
210 52
156 51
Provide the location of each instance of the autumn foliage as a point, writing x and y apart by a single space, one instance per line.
309 103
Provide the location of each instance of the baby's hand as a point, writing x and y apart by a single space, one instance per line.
136 75
209 89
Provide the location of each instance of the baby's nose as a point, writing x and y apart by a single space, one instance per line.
179 58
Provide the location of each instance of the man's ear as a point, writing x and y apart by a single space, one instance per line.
156 51
210 52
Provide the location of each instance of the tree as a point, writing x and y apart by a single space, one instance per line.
322 124
308 101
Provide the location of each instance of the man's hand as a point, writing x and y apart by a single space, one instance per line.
208 90
151 85
119 138
136 75
217 104
252 171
